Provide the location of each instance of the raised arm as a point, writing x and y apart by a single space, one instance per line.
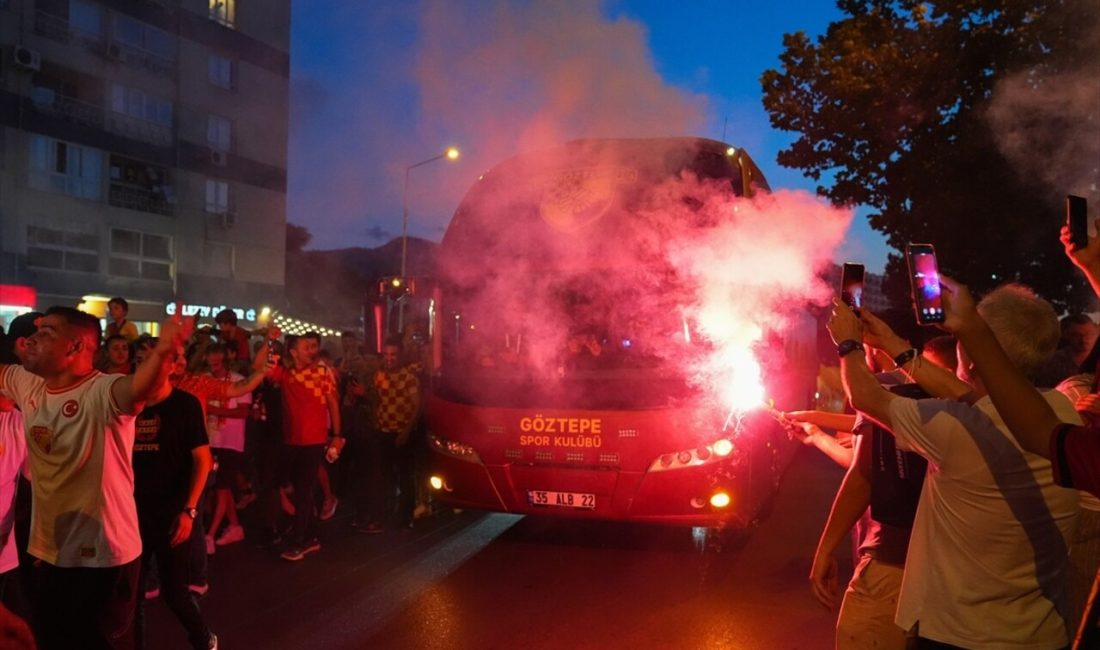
131 391
1087 259
863 390
936 381
1029 417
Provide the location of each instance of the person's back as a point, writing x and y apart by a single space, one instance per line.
990 532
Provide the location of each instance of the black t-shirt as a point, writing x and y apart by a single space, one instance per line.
165 435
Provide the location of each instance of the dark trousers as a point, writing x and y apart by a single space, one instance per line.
304 462
85 608
173 565
360 472
392 470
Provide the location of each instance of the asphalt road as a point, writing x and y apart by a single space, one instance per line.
474 580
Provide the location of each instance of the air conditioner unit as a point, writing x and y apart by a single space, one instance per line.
115 52
219 157
229 219
27 58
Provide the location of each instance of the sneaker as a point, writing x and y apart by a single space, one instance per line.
296 553
150 594
210 547
230 535
373 528
292 554
246 500
198 590
329 508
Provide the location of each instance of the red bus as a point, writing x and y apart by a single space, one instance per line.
561 349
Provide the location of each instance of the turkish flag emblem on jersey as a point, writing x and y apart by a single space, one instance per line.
70 408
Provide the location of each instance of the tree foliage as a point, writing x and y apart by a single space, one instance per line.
890 111
297 238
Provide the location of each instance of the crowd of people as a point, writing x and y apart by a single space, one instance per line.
972 481
127 459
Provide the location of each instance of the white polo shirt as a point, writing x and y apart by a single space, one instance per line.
79 446
990 538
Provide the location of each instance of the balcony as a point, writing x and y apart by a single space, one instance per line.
50 102
59 29
140 199
137 185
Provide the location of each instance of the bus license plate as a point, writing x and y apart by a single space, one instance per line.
562 499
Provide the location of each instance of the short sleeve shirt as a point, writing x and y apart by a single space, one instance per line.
79 446
397 398
165 435
226 432
13 453
306 394
989 543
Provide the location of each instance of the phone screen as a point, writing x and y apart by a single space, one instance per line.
851 285
1077 220
924 276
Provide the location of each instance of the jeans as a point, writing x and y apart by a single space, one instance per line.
174 567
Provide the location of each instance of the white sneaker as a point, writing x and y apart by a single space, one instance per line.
230 534
209 545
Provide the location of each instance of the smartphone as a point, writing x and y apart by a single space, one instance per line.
1077 220
924 277
851 285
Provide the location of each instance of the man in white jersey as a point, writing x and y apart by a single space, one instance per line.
80 434
989 544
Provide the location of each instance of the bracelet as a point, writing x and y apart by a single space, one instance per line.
905 357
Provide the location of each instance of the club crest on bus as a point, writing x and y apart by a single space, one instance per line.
577 198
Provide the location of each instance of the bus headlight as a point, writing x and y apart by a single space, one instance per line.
452 448
702 455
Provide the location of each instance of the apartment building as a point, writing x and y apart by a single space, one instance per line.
143 152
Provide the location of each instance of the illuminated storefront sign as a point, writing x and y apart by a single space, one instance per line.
210 311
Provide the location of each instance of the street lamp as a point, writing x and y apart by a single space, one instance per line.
450 154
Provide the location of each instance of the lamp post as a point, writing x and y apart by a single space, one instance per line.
450 154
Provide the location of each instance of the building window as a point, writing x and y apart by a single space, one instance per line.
135 103
140 255
66 168
218 134
217 196
144 39
217 259
220 71
86 19
224 12
75 247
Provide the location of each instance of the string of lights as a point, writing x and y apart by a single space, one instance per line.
297 327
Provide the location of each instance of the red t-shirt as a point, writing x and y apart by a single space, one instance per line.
1075 455
205 388
240 339
305 403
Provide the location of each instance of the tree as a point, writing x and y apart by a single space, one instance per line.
297 238
890 105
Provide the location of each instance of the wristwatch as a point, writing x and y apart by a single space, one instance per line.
847 346
191 512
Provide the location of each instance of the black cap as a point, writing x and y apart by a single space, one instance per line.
21 326
24 325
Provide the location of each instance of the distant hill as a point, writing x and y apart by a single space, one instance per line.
329 287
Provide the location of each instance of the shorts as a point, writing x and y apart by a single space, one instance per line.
230 464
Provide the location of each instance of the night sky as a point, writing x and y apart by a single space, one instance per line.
378 86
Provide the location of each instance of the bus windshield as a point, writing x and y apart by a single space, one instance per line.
558 290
